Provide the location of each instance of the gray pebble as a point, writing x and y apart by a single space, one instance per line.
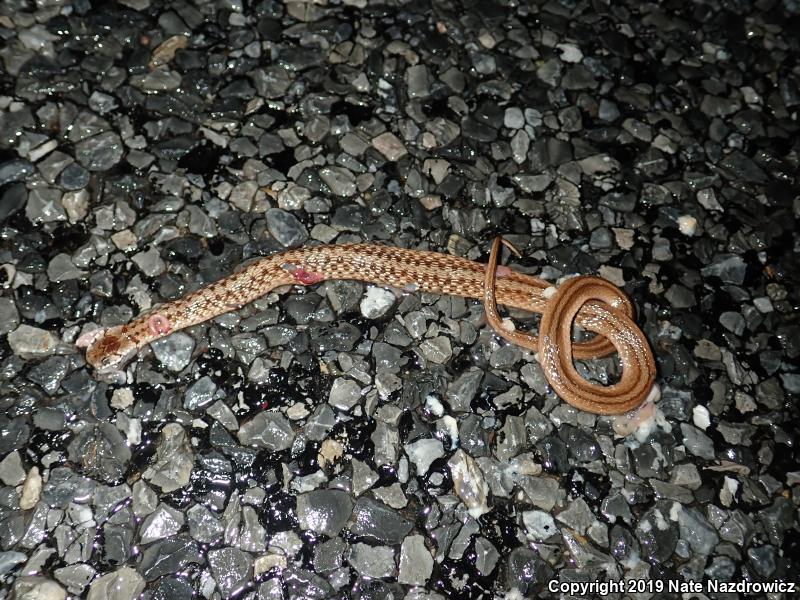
486 556
11 470
730 268
122 583
696 529
697 442
376 521
437 350
150 262
9 316
200 394
268 430
374 562
231 568
174 461
324 511
36 587
416 562
390 145
174 351
376 302
733 322
164 522
99 152
341 182
344 394
286 228
513 118
204 526
15 170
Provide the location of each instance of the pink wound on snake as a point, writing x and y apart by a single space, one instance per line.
301 275
307 277
159 325
503 271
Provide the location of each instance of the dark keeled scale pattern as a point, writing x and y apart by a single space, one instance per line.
147 148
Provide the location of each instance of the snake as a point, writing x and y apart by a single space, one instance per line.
592 303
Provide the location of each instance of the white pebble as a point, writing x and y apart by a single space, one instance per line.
31 490
539 525
131 427
728 492
423 453
376 302
687 224
508 325
434 406
264 563
122 398
450 426
700 417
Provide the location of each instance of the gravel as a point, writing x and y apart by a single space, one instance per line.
349 440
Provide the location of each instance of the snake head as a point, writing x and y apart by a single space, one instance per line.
107 350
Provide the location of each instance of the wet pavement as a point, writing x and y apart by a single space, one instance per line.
347 441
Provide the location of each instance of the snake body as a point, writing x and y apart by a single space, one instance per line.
597 306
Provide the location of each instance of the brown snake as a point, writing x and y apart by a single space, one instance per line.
591 302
